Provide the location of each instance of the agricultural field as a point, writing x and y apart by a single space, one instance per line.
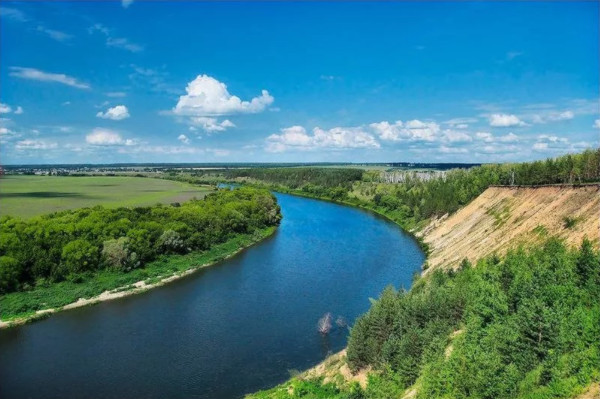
28 196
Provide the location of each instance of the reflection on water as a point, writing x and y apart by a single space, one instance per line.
234 328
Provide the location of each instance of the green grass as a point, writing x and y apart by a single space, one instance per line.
24 304
27 196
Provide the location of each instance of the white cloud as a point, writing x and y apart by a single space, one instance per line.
452 150
13 14
414 130
6 134
296 137
552 139
455 136
183 138
54 34
106 137
596 124
505 120
206 96
484 136
7 109
116 113
36 74
117 42
540 146
35 145
123 44
509 138
126 3
161 149
460 123
210 124
552 116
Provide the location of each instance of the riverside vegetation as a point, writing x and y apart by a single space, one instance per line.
523 326
52 260
414 202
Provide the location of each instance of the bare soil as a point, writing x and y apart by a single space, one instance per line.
507 217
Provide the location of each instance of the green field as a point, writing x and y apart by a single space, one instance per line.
28 196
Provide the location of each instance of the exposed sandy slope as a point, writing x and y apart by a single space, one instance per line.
335 369
593 392
504 217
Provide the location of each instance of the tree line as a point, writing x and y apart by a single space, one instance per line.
416 200
527 325
523 326
71 244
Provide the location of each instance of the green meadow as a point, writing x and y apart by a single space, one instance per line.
28 196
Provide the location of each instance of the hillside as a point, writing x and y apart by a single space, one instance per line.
504 217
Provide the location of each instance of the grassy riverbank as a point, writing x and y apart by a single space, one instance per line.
19 307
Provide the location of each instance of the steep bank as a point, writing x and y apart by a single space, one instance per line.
505 217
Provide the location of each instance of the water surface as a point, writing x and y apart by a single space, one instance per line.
230 329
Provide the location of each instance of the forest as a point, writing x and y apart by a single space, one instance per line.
74 245
524 326
416 200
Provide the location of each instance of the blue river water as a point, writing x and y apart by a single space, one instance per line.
230 329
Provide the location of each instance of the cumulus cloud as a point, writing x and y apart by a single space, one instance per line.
509 138
413 130
35 145
7 109
126 3
210 124
296 137
107 137
596 124
206 96
183 138
505 120
485 136
456 136
116 113
36 74
552 138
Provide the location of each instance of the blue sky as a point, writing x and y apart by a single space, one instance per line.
103 82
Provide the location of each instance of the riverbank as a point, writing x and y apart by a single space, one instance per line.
22 307
411 229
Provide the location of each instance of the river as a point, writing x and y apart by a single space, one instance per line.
230 329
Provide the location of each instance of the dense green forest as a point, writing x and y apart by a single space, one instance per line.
416 199
525 326
73 245
299 177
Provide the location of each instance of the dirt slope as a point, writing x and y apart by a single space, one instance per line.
504 217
